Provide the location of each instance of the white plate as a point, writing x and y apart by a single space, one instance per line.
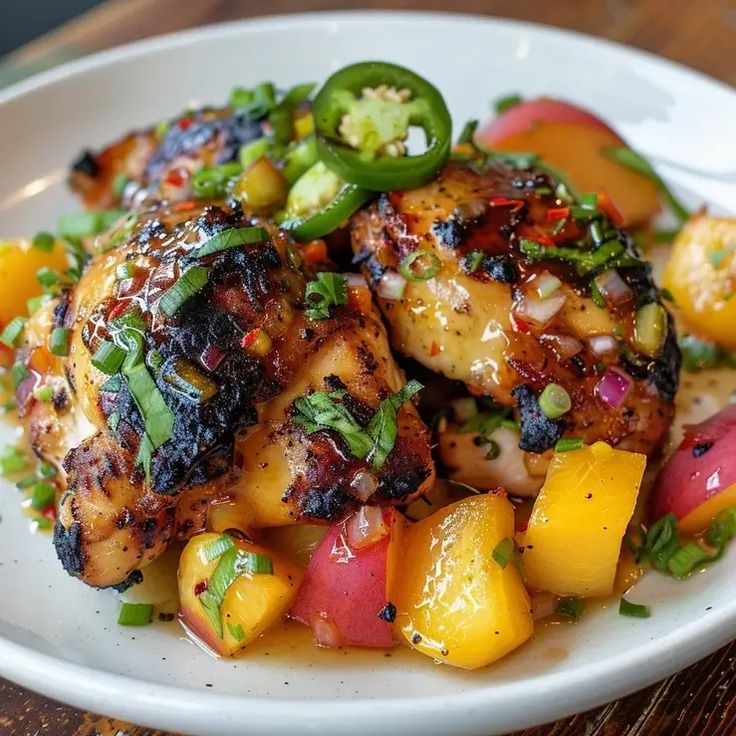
60 638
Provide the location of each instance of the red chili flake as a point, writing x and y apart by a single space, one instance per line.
175 178
120 308
557 213
515 204
250 337
200 588
435 349
519 325
50 512
185 123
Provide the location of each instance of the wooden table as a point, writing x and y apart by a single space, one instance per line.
699 700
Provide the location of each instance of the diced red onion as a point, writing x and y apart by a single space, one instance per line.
613 387
564 345
356 281
363 485
545 284
602 344
613 287
212 356
391 286
325 631
539 311
365 527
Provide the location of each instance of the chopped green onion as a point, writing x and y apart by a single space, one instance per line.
47 277
43 496
636 610
471 261
113 421
20 373
212 182
506 551
567 444
135 614
13 331
42 522
256 102
112 385
124 271
570 607
108 358
8 405
662 540
187 379
666 235
650 324
82 224
506 102
231 238
722 529
132 318
44 241
154 360
258 564
554 401
43 394
467 134
12 460
28 482
47 470
251 152
119 183
420 265
218 548
327 290
59 342
636 162
236 631
36 302
685 559
584 261
189 283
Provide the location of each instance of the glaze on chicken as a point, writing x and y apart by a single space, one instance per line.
473 321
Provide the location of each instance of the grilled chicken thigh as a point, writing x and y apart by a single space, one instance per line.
209 350
530 289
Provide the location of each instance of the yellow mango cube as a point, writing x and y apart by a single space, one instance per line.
573 539
454 602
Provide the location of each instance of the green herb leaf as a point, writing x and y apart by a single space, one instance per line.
570 607
135 614
327 290
584 261
231 238
506 102
506 551
636 610
636 162
187 285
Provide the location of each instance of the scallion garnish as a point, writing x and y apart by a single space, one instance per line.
686 558
19 373
231 238
135 614
506 102
569 607
662 539
47 470
567 444
13 331
327 290
77 225
236 631
124 271
59 341
44 241
47 277
217 548
25 483
43 496
108 358
636 610
471 261
698 354
212 182
119 184
420 265
231 564
36 302
584 261
8 405
43 393
636 162
188 284
506 551
554 401
12 460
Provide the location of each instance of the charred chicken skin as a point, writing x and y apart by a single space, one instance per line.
522 289
212 349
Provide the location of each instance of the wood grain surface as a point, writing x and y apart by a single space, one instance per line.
700 701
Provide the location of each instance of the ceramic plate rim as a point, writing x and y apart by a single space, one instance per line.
99 690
